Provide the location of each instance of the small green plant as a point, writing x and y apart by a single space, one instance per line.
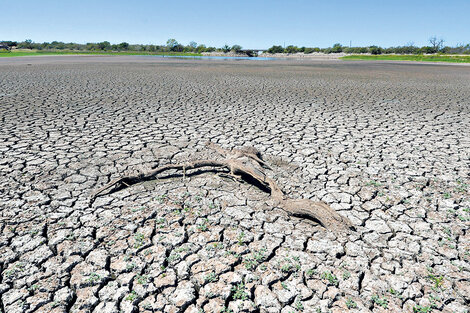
203 226
351 304
332 279
373 183
286 268
218 245
132 296
299 306
259 255
211 277
421 309
139 240
250 263
383 302
461 187
93 277
55 304
346 275
239 292
310 272
147 306
284 286
10 273
446 195
161 198
173 257
181 249
34 287
142 279
240 238
131 266
437 280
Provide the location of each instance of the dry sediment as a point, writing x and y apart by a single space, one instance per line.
385 145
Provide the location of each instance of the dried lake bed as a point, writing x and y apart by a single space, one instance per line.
386 145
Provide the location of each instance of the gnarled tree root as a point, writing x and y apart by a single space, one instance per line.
235 161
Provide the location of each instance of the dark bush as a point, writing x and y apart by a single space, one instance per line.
236 48
291 49
276 49
337 48
375 50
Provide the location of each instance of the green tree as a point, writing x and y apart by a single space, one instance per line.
27 44
375 50
236 48
276 49
104 45
291 49
171 44
337 48
123 46
201 48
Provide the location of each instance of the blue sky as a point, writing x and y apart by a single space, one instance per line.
252 24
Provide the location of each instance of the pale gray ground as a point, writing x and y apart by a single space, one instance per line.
385 144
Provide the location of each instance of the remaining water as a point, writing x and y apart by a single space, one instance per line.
207 57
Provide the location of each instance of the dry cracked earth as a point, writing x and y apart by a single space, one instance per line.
385 144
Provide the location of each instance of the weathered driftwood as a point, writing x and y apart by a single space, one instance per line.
235 161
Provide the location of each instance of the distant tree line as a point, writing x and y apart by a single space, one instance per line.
436 45
171 46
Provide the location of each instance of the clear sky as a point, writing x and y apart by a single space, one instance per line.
251 24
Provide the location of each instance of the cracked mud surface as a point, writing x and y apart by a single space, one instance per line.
386 145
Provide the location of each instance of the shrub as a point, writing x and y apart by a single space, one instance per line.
276 49
291 49
236 48
337 48
375 50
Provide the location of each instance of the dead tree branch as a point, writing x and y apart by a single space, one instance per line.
235 161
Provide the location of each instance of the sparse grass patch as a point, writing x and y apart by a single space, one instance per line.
437 280
381 301
350 304
373 183
299 306
310 272
239 292
93 278
211 277
78 52
139 240
420 58
132 296
422 309
331 278
141 279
